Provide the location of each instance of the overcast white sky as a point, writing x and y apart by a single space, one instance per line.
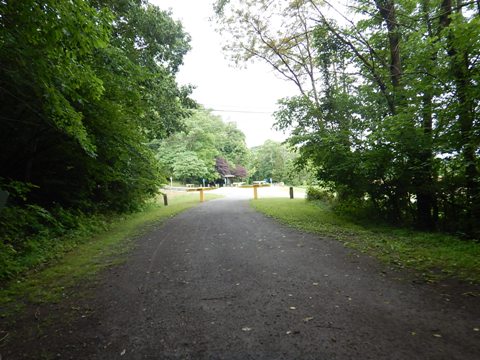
253 91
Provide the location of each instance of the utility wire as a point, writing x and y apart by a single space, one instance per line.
242 111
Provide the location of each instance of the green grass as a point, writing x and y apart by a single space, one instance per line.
105 249
436 256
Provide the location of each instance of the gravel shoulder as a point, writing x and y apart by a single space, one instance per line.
221 281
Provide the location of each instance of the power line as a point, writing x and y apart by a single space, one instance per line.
243 111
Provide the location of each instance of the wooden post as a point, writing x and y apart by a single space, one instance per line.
255 194
291 192
165 199
202 197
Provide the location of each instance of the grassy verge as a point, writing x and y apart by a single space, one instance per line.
437 256
93 254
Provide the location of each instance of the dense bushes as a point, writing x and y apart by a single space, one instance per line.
317 193
32 235
85 86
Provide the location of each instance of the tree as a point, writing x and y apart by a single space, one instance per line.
42 96
219 146
240 172
85 85
387 106
272 160
188 167
461 34
222 166
231 144
101 85
277 32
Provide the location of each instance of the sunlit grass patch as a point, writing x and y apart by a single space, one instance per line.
436 255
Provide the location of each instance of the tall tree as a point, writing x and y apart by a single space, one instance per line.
393 111
219 146
458 32
84 85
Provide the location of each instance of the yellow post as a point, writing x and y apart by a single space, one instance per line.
202 198
255 194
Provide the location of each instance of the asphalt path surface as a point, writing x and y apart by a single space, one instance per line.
221 281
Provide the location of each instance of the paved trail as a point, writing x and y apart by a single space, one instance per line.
221 281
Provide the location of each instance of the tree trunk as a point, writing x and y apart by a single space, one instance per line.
459 63
386 9
426 178
425 182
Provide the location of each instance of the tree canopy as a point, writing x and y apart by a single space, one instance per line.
214 149
388 101
278 162
84 86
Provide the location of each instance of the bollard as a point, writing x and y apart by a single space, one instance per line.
291 192
202 198
255 194
165 199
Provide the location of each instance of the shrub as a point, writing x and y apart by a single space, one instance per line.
32 235
316 193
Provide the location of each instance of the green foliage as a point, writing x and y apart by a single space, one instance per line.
32 235
269 161
189 167
276 161
17 189
388 101
315 193
435 255
85 85
76 120
191 155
